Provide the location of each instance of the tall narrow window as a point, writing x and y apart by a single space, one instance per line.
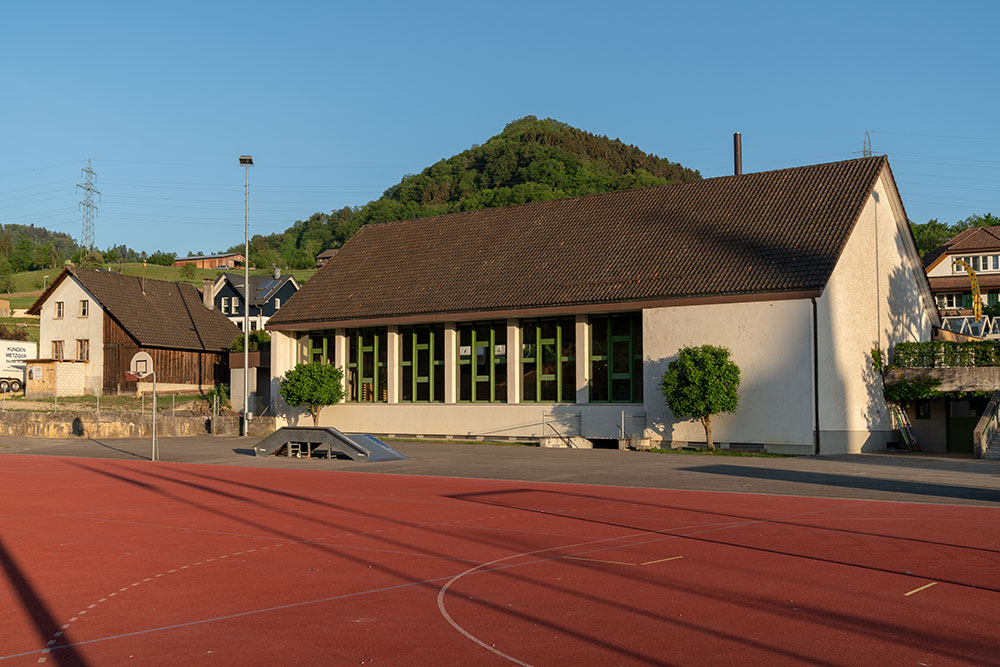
367 377
225 304
277 304
548 361
616 358
322 347
482 362
422 364
84 307
83 350
57 349
60 308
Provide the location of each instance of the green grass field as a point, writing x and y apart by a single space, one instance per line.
29 324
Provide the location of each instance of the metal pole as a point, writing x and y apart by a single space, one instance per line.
173 404
154 415
246 308
98 405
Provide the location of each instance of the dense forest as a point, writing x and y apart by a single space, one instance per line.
531 160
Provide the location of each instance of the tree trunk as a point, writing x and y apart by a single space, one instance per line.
707 423
315 412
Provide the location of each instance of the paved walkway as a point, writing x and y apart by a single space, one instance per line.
899 477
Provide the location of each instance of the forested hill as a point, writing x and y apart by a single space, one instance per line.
531 160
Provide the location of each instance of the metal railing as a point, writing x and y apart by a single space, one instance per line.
987 327
988 426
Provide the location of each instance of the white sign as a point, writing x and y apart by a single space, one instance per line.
465 350
34 372
499 350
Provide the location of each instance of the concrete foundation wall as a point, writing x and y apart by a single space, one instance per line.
29 424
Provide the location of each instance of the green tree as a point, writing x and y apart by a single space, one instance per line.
312 386
23 255
162 258
187 271
930 235
6 275
701 382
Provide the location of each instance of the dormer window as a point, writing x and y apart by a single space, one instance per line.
225 304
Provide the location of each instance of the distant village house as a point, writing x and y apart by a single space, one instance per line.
100 319
230 260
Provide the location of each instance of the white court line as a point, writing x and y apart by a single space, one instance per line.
478 568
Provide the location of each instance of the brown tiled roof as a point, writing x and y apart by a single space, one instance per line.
769 232
169 315
973 239
961 282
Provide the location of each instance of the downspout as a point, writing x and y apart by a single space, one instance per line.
815 333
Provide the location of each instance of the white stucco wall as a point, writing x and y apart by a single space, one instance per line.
73 327
875 297
771 342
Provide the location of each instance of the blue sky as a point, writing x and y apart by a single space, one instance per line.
336 102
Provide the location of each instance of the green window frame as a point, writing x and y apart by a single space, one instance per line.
482 362
322 347
421 364
548 361
616 358
367 372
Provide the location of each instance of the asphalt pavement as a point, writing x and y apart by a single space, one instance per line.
904 477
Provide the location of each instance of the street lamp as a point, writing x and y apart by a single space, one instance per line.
246 161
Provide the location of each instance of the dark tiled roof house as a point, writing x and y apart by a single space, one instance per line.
104 318
551 313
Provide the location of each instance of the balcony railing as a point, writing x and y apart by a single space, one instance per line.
988 327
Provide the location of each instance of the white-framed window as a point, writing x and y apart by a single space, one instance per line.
225 304
57 349
83 350
60 309
952 300
978 263
84 307
277 304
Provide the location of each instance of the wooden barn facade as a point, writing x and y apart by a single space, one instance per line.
103 319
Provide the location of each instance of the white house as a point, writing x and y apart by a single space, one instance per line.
556 320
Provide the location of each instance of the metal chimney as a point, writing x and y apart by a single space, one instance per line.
737 154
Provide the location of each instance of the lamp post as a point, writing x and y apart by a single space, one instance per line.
247 162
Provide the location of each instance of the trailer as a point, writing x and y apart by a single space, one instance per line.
14 355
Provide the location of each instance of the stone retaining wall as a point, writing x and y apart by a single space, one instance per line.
68 424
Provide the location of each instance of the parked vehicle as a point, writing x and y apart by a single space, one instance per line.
13 356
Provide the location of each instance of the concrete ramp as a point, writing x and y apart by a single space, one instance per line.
325 441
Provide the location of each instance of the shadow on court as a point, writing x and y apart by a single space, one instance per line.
854 482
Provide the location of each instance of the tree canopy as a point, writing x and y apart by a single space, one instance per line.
934 233
701 382
312 386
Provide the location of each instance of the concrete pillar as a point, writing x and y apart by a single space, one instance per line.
450 362
392 364
513 361
582 360
340 343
